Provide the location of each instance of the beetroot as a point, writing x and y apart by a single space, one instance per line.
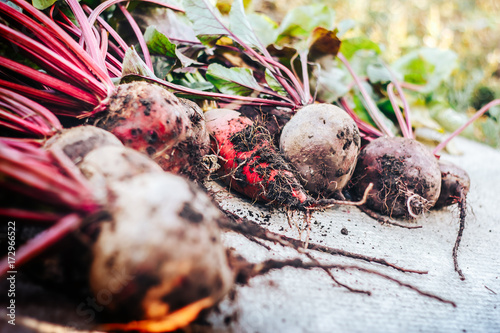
163 238
322 142
77 142
455 184
187 156
146 118
249 162
406 176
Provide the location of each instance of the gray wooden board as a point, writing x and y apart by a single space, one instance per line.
294 300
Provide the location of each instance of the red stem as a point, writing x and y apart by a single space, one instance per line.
113 61
105 5
114 72
49 81
40 172
87 33
243 99
50 118
104 43
37 217
397 111
51 61
295 93
20 128
40 95
470 121
26 146
118 52
363 126
41 242
411 86
19 123
69 42
43 34
406 106
111 31
54 188
305 76
138 34
370 104
267 61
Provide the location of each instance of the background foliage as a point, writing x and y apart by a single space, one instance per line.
469 28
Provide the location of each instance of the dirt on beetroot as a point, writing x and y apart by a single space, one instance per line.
405 175
147 118
280 186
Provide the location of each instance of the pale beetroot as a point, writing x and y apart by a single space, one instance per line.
77 142
109 164
322 142
163 236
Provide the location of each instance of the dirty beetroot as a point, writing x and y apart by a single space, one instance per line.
406 177
322 142
153 121
249 162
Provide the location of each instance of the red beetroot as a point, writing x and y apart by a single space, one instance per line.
250 163
406 176
187 156
147 118
455 184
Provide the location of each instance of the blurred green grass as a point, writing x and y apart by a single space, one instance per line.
469 28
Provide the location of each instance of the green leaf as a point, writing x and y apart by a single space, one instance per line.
209 25
332 84
264 27
162 65
362 112
241 27
377 73
495 113
197 85
420 117
350 46
344 26
427 66
43 4
491 132
207 21
274 84
232 81
450 119
13 5
158 43
301 21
